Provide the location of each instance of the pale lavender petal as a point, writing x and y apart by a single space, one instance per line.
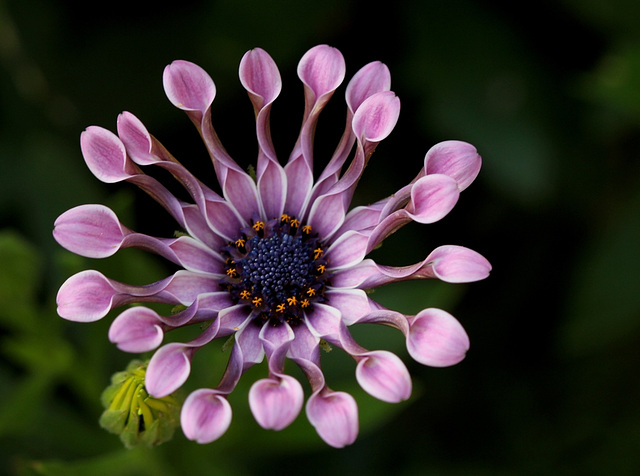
334 416
376 117
459 160
436 338
432 198
223 219
352 303
272 188
205 416
323 321
136 330
89 230
240 190
326 215
195 256
275 403
457 264
299 183
105 155
185 286
384 376
347 250
188 86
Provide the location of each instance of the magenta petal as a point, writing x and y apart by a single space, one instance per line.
334 416
168 369
85 297
459 160
275 403
260 76
205 416
322 69
89 230
105 155
377 116
457 264
384 376
188 86
136 330
432 198
436 338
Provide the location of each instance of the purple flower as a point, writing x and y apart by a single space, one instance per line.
276 259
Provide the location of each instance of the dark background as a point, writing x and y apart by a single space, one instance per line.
549 93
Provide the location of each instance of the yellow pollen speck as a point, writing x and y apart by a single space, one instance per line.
292 301
257 301
280 307
259 225
317 253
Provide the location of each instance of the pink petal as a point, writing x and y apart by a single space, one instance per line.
85 297
432 198
322 69
136 138
376 117
188 86
105 155
89 230
334 416
384 376
436 338
457 264
260 76
168 369
456 159
205 416
275 403
370 79
136 330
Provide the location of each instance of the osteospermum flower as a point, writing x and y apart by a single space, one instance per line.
276 259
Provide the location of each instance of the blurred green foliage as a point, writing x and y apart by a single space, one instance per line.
550 95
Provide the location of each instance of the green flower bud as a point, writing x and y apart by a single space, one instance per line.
133 414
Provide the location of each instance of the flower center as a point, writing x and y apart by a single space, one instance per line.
278 268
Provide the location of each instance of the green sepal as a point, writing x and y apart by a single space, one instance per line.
133 414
